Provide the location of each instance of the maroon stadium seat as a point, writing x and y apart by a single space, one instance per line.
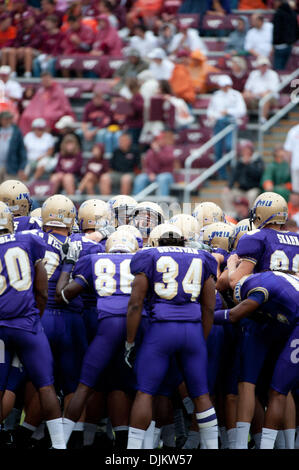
214 22
192 136
215 46
201 103
41 188
192 20
171 6
162 110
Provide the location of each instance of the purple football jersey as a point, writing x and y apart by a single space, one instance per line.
27 223
53 264
18 255
276 292
226 255
176 276
110 276
270 249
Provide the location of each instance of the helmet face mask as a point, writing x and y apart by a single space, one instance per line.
146 216
16 196
122 208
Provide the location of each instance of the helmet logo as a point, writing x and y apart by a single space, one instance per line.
264 203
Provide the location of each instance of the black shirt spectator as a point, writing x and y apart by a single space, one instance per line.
125 162
285 33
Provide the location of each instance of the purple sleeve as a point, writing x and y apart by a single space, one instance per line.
257 296
210 266
38 248
250 248
141 263
82 273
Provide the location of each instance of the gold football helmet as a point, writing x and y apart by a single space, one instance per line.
122 208
121 241
207 213
163 230
6 218
241 228
187 224
218 235
16 196
269 208
36 212
93 214
131 229
58 211
146 216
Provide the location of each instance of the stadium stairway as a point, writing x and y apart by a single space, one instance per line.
211 190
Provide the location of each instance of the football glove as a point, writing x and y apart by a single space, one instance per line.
130 354
106 231
70 252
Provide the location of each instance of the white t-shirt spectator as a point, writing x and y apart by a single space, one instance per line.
13 89
193 42
231 102
259 83
38 146
292 145
260 40
162 71
146 45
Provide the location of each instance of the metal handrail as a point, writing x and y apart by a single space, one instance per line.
146 191
209 144
263 127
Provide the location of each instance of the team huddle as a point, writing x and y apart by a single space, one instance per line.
174 333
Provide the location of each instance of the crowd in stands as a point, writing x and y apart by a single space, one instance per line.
130 125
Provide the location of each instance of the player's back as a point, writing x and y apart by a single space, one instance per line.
176 276
280 293
18 255
276 250
26 223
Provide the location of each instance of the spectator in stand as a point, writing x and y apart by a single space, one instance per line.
8 33
219 7
130 68
25 46
134 119
252 5
49 102
285 33
258 40
143 40
187 38
144 9
236 39
68 167
277 174
181 80
97 116
78 39
199 69
239 73
183 116
96 167
13 89
158 165
107 41
244 180
149 87
194 7
48 8
165 36
291 145
293 207
51 47
106 8
40 147
13 156
66 125
17 8
160 67
226 107
260 83
125 160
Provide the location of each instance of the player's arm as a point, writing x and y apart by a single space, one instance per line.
40 286
222 283
207 302
233 315
65 290
139 290
237 269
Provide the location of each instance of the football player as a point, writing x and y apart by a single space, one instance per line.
145 217
181 297
188 225
16 195
122 208
207 213
276 294
23 295
110 277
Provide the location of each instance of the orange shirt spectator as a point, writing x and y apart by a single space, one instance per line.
199 70
181 81
252 5
7 31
